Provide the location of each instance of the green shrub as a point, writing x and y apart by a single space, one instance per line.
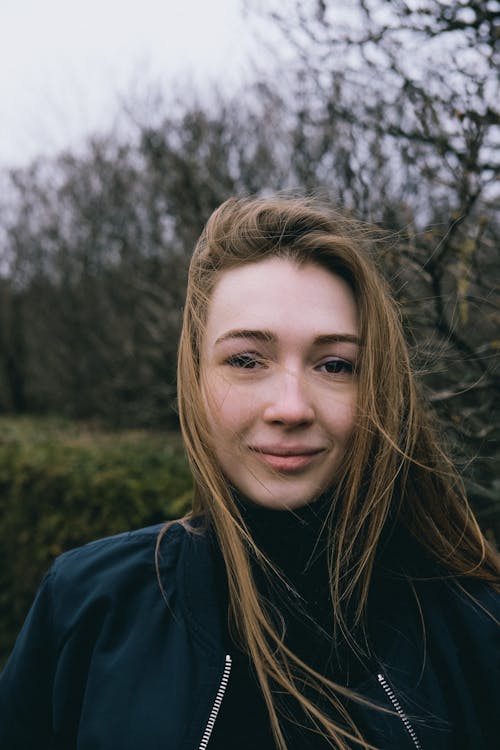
62 485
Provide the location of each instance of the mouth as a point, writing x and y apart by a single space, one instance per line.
287 460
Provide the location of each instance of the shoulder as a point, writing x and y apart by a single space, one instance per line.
462 602
409 578
466 600
447 614
108 568
463 614
115 554
100 604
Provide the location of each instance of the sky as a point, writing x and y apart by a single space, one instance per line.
66 64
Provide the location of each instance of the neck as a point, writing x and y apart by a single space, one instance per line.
293 539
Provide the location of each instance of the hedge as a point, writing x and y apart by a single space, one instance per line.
62 485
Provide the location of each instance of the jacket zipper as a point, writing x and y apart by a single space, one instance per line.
397 705
217 703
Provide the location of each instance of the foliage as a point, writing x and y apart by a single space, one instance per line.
62 485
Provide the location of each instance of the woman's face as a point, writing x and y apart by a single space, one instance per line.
279 380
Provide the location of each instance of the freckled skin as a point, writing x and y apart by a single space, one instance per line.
278 375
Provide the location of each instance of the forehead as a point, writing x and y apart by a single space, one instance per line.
283 296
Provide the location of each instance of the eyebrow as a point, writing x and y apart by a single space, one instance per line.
269 337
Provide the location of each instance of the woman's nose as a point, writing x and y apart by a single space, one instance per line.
289 401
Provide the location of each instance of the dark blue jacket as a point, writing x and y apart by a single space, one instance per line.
107 661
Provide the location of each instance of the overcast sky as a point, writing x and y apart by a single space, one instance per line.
64 64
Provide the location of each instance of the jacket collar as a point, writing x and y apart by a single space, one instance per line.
199 585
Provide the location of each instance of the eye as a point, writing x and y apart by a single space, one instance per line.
244 361
337 366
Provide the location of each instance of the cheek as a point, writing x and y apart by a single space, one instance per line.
227 408
339 417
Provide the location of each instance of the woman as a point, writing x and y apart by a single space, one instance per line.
330 588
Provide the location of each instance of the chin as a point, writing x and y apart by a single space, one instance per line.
282 500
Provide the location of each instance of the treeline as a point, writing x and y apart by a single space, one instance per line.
388 110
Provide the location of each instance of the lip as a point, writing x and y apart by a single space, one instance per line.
287 459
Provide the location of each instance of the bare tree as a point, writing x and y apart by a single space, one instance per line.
97 248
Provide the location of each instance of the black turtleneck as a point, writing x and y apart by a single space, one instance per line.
295 542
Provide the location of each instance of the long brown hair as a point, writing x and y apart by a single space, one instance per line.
395 467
